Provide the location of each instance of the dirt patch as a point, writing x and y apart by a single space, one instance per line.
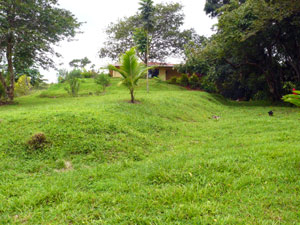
136 102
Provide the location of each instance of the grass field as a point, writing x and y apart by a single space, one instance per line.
165 160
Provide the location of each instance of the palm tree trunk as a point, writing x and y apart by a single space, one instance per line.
147 57
132 95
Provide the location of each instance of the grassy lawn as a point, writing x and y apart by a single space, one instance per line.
162 161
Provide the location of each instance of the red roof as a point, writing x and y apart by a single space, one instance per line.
154 64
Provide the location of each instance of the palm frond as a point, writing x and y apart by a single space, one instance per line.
131 70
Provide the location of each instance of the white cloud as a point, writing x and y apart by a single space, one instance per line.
98 14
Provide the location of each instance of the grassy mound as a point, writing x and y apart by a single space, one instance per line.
178 157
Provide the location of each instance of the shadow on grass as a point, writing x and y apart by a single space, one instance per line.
221 100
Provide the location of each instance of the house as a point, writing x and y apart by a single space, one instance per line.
162 70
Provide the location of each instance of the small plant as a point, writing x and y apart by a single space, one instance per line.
131 71
23 86
293 98
74 86
74 82
184 80
103 80
88 74
194 81
37 141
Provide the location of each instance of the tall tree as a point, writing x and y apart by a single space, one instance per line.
166 38
255 50
28 31
213 7
147 13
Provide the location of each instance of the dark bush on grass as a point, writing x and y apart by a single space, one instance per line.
184 80
173 80
37 141
194 82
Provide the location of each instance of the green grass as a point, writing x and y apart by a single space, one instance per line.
162 161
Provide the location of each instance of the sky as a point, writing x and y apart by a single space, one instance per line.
97 15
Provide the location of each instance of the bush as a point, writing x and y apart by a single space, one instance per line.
23 86
194 81
37 141
173 80
103 80
73 74
74 85
207 85
184 80
293 98
88 74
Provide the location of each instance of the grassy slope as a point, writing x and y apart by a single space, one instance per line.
164 161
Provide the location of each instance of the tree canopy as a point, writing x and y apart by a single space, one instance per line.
28 31
255 51
165 39
76 63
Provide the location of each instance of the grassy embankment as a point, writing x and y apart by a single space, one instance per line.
162 161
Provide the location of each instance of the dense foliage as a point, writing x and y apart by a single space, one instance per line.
293 98
164 32
82 63
28 31
103 80
255 52
23 85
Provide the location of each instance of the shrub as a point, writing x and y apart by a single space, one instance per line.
74 82
103 80
207 85
194 81
88 74
37 141
173 80
23 86
184 80
293 98
74 74
74 86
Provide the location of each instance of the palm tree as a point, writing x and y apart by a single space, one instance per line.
147 11
131 71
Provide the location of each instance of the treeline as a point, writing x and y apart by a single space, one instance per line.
255 52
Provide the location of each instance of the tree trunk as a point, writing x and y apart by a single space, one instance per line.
9 55
132 95
146 60
273 87
3 82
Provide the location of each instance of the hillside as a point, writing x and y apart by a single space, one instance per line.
165 160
